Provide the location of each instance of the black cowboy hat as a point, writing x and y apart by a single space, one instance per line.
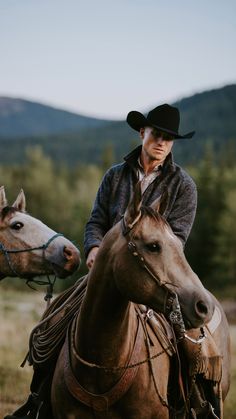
164 117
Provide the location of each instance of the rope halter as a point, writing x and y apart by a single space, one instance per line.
7 252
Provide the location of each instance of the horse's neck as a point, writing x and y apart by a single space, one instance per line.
107 323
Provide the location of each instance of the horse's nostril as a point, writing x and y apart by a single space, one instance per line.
68 253
201 308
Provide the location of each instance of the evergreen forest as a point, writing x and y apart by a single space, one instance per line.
62 196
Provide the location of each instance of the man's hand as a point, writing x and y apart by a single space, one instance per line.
91 257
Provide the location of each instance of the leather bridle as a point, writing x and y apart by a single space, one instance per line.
171 307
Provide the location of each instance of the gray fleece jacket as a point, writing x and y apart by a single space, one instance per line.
117 187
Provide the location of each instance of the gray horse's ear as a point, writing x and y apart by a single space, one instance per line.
160 204
20 203
3 199
133 211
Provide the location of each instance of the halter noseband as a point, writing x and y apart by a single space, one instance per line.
6 252
171 306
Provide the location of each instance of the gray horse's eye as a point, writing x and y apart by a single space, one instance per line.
153 247
17 225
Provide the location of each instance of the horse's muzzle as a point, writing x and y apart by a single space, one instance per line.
204 310
72 257
65 261
199 312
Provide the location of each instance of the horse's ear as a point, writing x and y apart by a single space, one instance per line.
3 199
20 203
160 203
133 210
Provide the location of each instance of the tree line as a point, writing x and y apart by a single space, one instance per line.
62 197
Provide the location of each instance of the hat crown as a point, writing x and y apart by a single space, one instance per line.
165 116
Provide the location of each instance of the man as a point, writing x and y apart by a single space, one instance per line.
151 163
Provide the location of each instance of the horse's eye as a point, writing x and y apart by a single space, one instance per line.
17 225
153 247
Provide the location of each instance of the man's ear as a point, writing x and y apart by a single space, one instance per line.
160 204
133 211
141 133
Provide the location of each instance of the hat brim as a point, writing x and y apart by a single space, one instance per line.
137 120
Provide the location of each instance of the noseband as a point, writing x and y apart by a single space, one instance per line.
171 306
7 252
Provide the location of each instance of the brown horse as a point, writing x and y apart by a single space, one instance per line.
108 367
28 247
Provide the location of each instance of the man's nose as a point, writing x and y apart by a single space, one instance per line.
159 138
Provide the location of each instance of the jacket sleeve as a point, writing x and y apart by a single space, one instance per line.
183 213
98 223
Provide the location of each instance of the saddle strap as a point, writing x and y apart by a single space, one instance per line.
102 402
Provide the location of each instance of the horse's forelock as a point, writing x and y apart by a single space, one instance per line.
7 211
149 211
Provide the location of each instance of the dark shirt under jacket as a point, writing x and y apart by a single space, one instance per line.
117 187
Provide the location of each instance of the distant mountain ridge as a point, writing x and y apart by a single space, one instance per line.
21 118
70 138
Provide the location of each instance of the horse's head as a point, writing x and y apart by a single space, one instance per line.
153 262
28 247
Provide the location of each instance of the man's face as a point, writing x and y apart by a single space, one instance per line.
156 144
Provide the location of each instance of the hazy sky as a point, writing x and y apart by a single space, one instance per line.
106 57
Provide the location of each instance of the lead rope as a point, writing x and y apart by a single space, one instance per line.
49 289
49 333
49 293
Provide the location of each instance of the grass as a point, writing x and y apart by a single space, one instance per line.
19 312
